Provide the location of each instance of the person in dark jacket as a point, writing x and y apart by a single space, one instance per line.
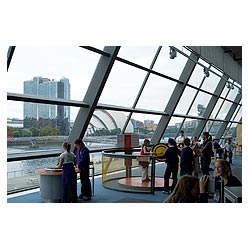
206 153
83 160
187 158
172 159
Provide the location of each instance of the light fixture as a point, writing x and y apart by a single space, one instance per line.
206 72
228 85
239 91
172 53
232 86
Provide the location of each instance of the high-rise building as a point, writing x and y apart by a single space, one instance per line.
57 115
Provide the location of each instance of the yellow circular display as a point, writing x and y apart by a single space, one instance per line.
159 149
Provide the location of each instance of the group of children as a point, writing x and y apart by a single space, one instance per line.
182 153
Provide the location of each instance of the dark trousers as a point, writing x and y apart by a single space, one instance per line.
171 168
85 182
205 163
69 180
70 193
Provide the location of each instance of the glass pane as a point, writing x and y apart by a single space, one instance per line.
200 104
237 114
104 126
189 127
172 129
29 133
144 125
185 101
139 55
122 85
226 88
197 76
152 97
224 110
212 127
170 67
216 108
52 64
210 83
230 131
233 93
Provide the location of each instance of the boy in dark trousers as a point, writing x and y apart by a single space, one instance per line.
172 159
187 158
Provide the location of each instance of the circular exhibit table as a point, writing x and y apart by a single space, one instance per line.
51 189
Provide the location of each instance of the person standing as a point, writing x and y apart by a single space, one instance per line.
180 139
172 159
83 160
195 145
67 162
187 158
206 153
228 150
145 163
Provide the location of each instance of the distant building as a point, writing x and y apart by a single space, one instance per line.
56 115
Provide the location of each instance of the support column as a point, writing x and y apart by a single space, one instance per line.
93 93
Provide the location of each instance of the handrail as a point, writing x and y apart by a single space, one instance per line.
113 154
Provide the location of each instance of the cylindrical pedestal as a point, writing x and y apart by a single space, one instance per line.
51 189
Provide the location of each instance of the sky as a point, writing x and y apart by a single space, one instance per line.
78 65
130 23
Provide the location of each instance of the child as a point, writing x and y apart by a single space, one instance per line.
145 163
172 159
187 158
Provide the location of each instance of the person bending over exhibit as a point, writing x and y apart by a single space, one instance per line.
172 159
83 160
67 162
189 189
222 171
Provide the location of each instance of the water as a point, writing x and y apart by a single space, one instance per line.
19 168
